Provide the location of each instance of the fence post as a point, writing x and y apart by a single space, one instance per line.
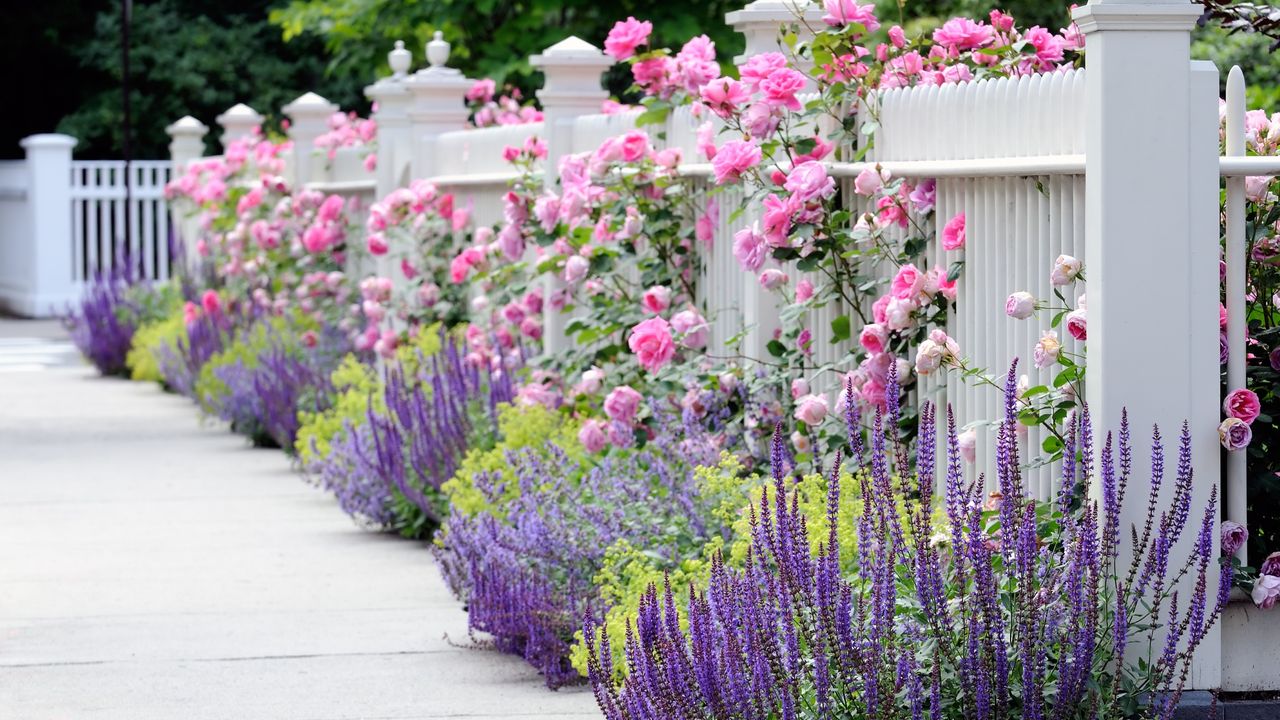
52 285
760 23
186 145
308 119
238 121
392 100
438 106
572 70
1151 179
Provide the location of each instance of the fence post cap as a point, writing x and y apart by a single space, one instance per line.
309 104
572 50
47 140
399 59
187 126
239 112
773 11
1166 15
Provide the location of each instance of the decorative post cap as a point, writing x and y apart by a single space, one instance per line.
309 105
399 59
48 140
438 50
187 126
240 114
572 68
571 51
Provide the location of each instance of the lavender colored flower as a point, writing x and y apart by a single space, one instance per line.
102 323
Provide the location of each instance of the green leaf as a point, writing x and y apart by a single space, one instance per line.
840 329
776 348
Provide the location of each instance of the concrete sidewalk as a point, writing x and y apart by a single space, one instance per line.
152 567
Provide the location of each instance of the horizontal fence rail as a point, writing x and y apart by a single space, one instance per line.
99 206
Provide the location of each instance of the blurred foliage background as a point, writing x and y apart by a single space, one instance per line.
199 58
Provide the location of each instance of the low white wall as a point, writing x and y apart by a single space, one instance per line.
1250 648
15 230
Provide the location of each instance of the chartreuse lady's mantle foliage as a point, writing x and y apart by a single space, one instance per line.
1023 609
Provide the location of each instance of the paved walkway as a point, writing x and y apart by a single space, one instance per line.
155 567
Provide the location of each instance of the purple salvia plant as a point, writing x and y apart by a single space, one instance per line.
102 323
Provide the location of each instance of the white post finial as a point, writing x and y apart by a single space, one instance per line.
399 59
438 50
438 106
1153 213
309 119
238 121
186 141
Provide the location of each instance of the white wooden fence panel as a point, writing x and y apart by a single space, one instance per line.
98 211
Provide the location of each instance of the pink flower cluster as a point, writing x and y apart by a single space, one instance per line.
488 110
348 130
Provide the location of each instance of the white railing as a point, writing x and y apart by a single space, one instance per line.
102 209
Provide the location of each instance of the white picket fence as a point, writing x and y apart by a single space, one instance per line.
99 209
1117 165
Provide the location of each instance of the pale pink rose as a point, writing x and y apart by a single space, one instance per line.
634 145
1270 564
809 181
1047 349
482 91
626 36
777 219
1266 591
800 442
1256 187
592 381
908 283
1234 434
897 314
772 279
781 86
804 291
621 404
761 119
656 299
869 181
575 268
880 309
963 34
953 233
706 137
724 95
1234 535
1077 324
733 159
592 436
845 12
968 442
692 329
511 242
1243 405
873 338
811 409
757 67
696 63
1065 270
799 388
750 249
651 342
937 350
1020 305
537 393
897 36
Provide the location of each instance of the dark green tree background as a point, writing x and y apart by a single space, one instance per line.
198 57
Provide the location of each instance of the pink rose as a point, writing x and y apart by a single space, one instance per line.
651 342
482 91
1020 305
656 299
1266 591
692 328
1270 565
1243 405
953 233
809 181
724 95
772 279
1234 536
845 12
781 86
963 34
869 181
968 442
804 290
634 145
946 285
211 302
377 244
811 409
621 404
1047 349
1234 434
1077 324
734 158
1065 270
873 338
777 219
575 268
592 436
799 388
758 67
626 36
750 249
908 283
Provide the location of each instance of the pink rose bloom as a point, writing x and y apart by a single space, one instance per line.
953 233
656 299
811 409
1256 187
1234 536
777 219
772 279
724 95
706 136
654 74
897 36
1047 349
869 182
734 158
1270 565
592 436
634 145
1048 46
511 242
750 249
968 442
799 388
691 327
908 283
407 269
844 12
621 404
1077 325
1020 305
651 342
1065 270
482 91
781 86
963 34
761 120
946 286
211 302
1243 405
377 244
696 63
809 181
758 67
873 338
1234 434
626 36
575 268
1266 591
804 290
